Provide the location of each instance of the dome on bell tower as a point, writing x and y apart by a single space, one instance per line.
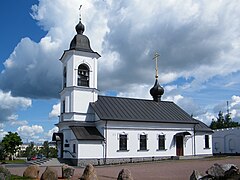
80 42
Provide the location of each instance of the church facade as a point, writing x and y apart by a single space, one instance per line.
104 130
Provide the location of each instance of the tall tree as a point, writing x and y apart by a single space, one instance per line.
223 121
2 152
45 149
11 143
52 152
30 150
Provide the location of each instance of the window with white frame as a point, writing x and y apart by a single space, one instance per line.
122 142
206 142
161 142
143 142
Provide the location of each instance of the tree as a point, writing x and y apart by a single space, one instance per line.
223 121
52 152
2 152
11 143
45 149
30 151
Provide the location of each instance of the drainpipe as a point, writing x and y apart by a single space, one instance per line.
194 140
105 154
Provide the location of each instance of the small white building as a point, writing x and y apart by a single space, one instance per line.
226 141
101 129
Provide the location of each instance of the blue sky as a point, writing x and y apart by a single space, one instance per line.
17 24
198 43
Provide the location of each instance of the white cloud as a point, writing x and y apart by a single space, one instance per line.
195 40
235 101
30 133
35 133
206 117
18 122
50 132
2 134
170 88
235 108
136 91
55 111
175 98
187 104
10 105
10 102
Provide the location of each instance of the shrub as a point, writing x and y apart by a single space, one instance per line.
4 172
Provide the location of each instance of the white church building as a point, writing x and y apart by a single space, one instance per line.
104 130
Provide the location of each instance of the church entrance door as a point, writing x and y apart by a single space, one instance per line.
179 145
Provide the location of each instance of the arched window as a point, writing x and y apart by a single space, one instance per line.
161 142
143 142
63 106
64 76
83 75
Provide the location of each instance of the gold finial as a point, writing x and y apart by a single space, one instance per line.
156 55
80 12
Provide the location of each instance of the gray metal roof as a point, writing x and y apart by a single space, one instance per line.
202 127
86 133
139 110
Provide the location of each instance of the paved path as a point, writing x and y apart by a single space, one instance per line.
168 169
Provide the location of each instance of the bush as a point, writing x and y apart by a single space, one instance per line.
5 173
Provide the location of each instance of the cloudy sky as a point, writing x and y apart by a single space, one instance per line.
198 43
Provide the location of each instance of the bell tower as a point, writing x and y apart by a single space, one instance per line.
79 86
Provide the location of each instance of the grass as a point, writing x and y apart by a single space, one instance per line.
14 177
16 161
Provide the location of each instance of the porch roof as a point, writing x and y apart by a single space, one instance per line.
86 133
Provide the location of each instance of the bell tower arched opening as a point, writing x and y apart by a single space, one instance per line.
83 75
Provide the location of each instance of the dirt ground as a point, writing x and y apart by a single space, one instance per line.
167 169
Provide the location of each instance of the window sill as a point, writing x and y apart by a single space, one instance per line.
122 150
143 150
161 150
206 148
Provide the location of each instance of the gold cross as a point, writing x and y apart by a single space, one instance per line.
156 55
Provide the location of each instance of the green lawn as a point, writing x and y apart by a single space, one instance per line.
14 177
16 161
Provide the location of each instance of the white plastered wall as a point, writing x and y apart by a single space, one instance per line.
152 131
90 149
200 144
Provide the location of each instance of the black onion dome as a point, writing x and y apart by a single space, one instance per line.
80 28
156 91
80 42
